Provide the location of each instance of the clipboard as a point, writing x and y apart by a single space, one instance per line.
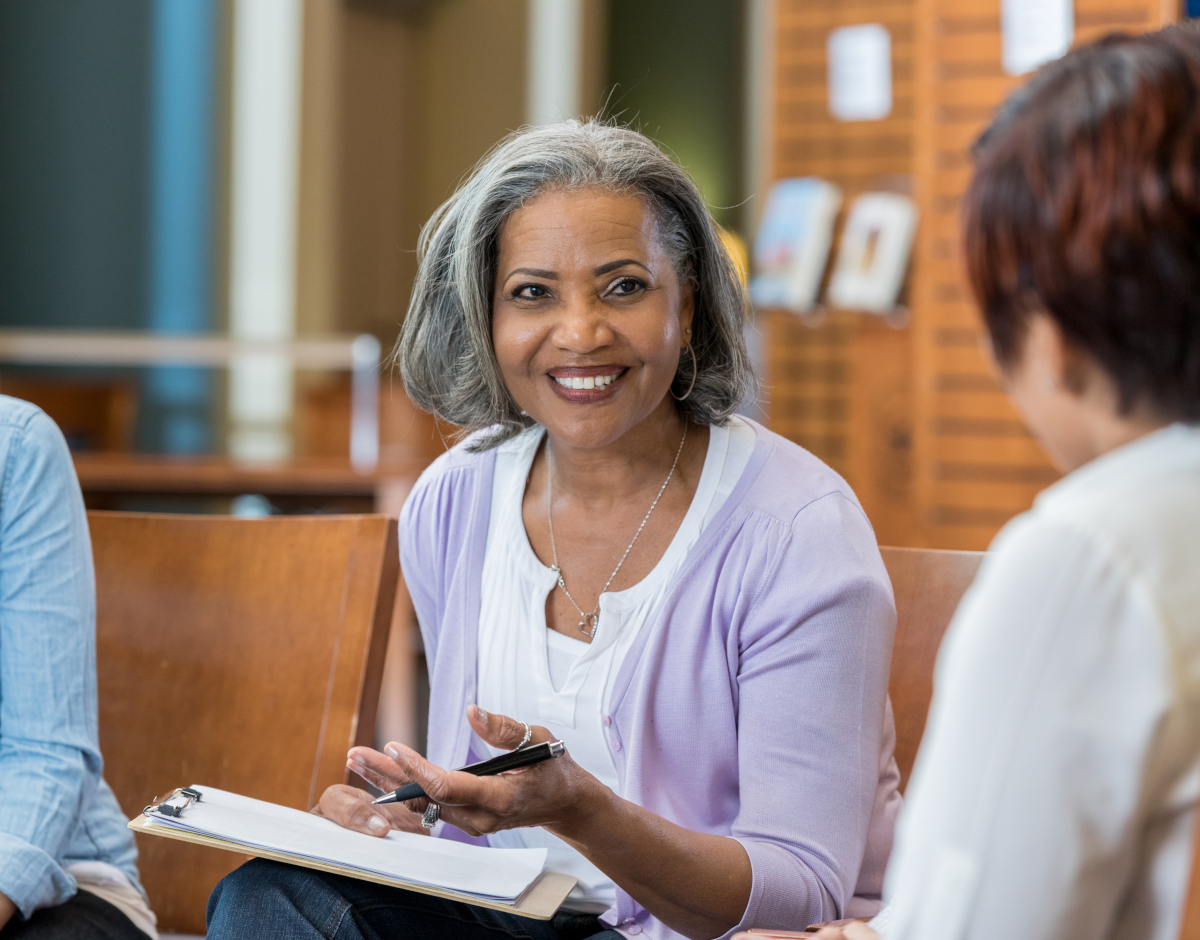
540 901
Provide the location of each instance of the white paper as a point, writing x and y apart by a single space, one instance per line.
794 239
873 256
860 72
1033 32
486 873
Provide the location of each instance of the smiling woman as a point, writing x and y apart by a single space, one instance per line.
611 557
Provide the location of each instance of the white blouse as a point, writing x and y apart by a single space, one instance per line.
1054 793
540 676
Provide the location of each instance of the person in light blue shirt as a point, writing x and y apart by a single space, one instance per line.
67 861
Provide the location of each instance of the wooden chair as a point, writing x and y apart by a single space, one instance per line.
93 416
407 435
928 585
245 654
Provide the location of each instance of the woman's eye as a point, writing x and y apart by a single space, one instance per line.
531 292
627 286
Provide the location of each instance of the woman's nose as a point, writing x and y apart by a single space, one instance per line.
582 325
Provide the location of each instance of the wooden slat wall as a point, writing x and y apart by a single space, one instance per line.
976 464
840 389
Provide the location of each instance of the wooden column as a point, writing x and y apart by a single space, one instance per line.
840 385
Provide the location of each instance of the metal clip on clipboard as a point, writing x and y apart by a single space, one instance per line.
174 803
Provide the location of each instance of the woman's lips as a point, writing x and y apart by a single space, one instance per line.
586 385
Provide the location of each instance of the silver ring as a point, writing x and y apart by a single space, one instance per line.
430 817
528 735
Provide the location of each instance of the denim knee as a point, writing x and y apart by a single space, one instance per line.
265 898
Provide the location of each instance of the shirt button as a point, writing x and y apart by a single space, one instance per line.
607 721
616 745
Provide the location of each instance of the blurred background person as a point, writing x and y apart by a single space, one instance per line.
1055 791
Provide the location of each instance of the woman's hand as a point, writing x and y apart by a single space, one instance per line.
353 808
545 794
697 884
853 931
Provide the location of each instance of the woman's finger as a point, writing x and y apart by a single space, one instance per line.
351 808
445 786
502 731
378 781
385 773
403 819
852 931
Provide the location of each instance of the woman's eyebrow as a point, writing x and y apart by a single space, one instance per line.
613 265
533 272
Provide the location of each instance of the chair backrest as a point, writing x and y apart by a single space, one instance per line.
93 416
244 654
928 585
1189 928
407 435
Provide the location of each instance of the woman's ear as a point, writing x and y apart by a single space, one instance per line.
1043 353
1056 362
687 311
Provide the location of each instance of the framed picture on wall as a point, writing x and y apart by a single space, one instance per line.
874 252
793 244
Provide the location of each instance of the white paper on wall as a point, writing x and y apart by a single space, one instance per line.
1034 31
873 256
793 244
860 72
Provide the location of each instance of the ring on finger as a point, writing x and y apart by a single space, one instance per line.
430 817
528 735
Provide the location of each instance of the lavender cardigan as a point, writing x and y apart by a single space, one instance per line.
752 705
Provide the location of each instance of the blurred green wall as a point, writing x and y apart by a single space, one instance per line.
74 162
675 68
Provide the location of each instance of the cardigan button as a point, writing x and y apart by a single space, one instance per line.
635 929
616 745
608 721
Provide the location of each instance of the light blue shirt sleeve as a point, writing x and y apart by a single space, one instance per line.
50 765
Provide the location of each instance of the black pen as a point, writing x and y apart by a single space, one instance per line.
534 754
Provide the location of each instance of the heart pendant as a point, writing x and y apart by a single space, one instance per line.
588 624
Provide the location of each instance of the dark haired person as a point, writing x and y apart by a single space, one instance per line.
67 862
695 605
1054 795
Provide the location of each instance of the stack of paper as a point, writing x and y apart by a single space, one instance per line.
495 875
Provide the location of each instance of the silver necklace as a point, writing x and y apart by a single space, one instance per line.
587 625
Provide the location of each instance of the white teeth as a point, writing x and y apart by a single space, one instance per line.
588 382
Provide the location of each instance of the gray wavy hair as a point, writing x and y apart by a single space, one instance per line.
445 353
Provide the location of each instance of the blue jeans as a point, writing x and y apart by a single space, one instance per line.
264 899
83 917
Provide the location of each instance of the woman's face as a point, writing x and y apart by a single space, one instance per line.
588 314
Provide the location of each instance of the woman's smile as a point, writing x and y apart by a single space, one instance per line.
588 310
586 385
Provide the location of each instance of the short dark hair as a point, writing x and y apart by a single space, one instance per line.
1086 204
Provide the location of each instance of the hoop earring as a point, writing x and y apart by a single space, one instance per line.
692 385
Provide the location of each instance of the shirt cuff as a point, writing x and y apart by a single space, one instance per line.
30 878
780 896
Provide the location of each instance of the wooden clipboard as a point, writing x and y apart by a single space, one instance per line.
539 902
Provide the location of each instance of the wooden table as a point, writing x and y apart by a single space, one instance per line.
112 481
